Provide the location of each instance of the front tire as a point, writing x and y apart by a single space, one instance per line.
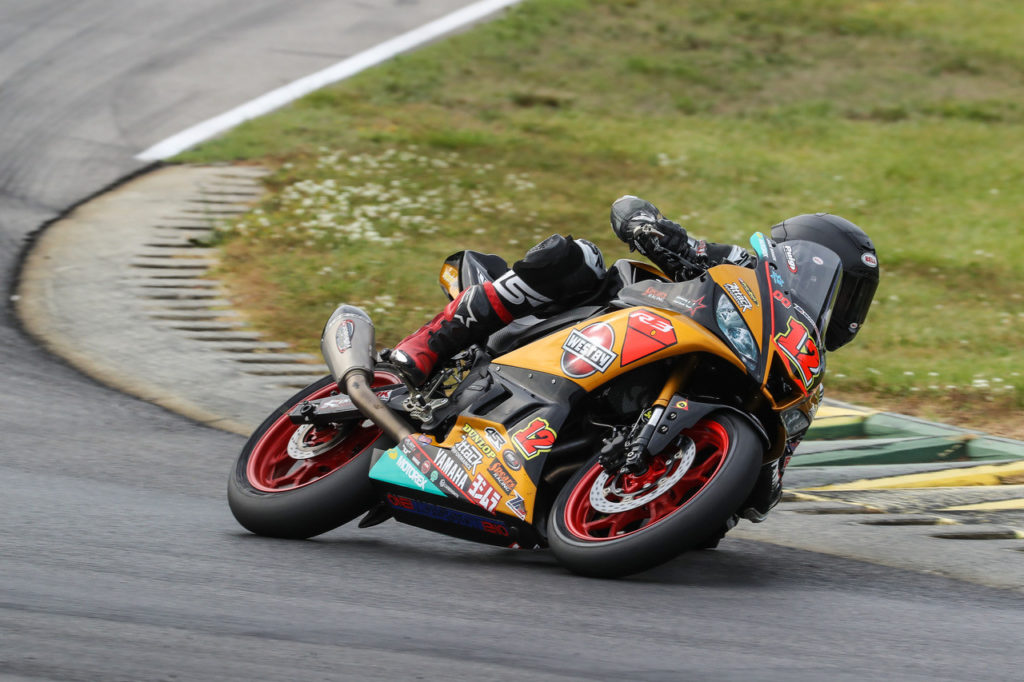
321 484
613 526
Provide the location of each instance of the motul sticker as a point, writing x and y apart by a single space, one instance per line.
511 460
869 260
646 334
588 350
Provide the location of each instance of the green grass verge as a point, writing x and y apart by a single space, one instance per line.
906 117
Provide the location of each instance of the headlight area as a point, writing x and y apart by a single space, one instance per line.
735 330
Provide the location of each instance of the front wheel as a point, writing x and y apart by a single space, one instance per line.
297 481
611 526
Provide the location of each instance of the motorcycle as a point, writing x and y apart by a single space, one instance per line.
620 433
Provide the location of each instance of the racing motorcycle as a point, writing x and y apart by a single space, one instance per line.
620 433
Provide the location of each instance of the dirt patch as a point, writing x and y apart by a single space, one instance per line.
995 418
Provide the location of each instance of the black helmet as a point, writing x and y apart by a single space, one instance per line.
860 268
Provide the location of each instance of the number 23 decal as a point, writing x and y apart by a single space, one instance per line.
535 438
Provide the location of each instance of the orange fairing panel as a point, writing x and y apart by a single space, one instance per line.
493 465
741 285
450 280
600 349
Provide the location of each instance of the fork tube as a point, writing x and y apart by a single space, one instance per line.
676 379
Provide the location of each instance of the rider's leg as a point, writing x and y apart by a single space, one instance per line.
559 268
478 312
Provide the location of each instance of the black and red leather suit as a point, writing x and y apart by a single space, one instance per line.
556 273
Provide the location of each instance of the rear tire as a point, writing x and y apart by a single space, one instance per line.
653 527
272 493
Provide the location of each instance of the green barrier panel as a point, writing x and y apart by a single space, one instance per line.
849 438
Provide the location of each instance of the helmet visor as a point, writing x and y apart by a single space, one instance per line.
851 309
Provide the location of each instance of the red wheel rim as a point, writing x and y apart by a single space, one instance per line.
272 470
587 523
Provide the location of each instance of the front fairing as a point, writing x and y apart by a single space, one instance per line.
771 316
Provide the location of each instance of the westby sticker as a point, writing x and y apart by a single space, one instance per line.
588 350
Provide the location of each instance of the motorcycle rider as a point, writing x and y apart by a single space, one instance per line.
561 271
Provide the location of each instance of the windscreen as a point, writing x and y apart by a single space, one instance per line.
810 275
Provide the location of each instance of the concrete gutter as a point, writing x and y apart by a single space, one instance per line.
122 289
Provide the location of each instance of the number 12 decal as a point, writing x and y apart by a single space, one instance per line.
535 438
803 354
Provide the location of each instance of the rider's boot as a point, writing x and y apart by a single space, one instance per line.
477 313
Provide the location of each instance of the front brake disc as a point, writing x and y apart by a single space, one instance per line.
608 496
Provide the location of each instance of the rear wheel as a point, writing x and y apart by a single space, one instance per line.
297 481
610 526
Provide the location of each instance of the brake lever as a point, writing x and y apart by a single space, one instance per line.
679 263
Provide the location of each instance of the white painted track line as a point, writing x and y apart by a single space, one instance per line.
303 86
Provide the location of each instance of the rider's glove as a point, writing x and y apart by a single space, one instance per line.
672 236
640 224
656 239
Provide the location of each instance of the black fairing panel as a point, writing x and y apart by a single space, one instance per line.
524 330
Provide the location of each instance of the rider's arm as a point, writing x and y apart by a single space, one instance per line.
640 224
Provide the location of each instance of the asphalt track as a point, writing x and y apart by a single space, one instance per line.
119 559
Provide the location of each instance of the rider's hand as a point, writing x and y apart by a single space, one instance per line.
640 224
631 214
673 236
660 235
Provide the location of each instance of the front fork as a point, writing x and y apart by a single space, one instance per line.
631 449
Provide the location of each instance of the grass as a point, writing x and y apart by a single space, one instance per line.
905 117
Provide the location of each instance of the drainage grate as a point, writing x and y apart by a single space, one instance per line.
176 262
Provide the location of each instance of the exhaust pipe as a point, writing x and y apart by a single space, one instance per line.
347 347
